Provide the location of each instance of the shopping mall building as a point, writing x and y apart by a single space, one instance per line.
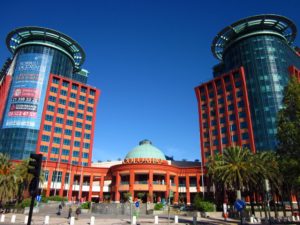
47 107
239 105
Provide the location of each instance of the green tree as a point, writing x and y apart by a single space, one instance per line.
8 179
288 135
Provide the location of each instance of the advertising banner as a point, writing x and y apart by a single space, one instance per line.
28 90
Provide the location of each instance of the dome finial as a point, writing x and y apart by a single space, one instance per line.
145 141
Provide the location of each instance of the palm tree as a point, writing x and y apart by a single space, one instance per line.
233 168
8 179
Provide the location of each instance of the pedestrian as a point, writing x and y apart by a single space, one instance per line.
70 212
59 210
78 211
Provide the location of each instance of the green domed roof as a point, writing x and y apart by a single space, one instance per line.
145 149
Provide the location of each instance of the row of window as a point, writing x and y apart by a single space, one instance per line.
69 122
234 138
64 102
51 108
57 140
65 152
59 130
74 86
233 127
232 117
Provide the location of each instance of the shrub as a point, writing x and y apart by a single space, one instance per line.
203 206
85 205
56 198
158 206
26 203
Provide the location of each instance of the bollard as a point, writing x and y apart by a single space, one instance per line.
2 218
156 220
26 220
72 220
92 220
176 220
134 220
47 220
251 219
194 220
13 218
293 218
297 218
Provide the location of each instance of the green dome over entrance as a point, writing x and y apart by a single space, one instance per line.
145 150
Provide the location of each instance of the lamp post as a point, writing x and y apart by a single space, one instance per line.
267 198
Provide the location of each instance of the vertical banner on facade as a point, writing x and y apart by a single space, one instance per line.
28 90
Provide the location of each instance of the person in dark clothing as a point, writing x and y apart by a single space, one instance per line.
59 210
78 211
70 212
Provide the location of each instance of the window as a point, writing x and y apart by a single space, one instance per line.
68 132
222 110
244 125
87 136
74 86
62 101
44 148
232 117
52 98
67 178
91 101
241 104
92 92
78 124
85 155
216 142
223 130
77 134
50 108
54 159
61 110
220 101
234 138
89 118
54 150
70 122
238 84
72 104
83 89
46 175
65 83
229 98
230 107
245 136
224 140
56 176
74 162
90 109
67 142
49 117
80 106
73 95
65 152
55 80
88 126
82 98
45 138
213 122
76 154
59 120
84 164
215 132
56 140
233 127
242 114
86 145
53 89
77 143
222 120
79 115
239 94
47 127
63 92
70 113
58 130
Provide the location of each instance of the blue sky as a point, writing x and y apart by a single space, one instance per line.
146 57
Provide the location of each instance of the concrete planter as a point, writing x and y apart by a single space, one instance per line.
85 211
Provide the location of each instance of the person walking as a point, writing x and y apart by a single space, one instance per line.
78 211
70 212
59 210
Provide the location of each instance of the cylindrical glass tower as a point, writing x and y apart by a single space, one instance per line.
263 46
37 53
